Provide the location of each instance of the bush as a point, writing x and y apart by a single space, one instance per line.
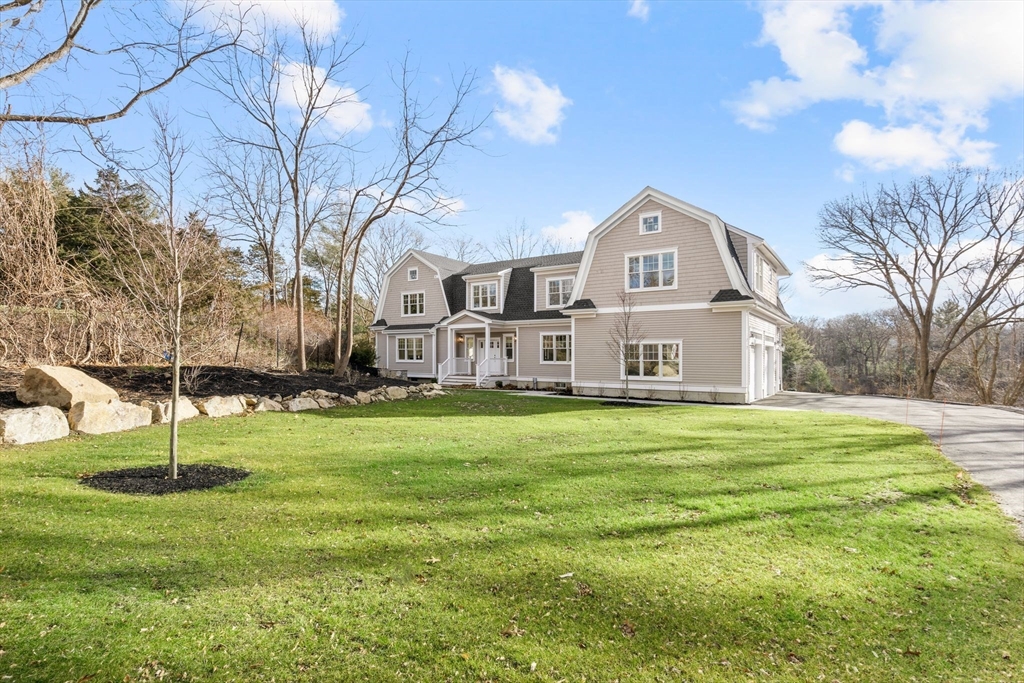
364 353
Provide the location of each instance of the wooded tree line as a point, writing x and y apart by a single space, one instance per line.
874 353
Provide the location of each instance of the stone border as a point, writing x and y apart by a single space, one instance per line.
45 423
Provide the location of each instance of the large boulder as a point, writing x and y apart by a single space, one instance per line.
301 403
396 393
162 411
114 416
221 406
347 401
363 398
267 405
32 425
60 387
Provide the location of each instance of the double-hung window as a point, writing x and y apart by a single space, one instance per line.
652 360
510 347
485 295
556 348
559 291
759 274
412 304
414 274
651 271
410 349
650 223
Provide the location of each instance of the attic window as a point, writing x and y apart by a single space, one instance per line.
650 223
414 274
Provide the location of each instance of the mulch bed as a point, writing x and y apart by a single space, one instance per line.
624 404
153 481
136 384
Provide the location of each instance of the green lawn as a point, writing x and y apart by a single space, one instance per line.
484 536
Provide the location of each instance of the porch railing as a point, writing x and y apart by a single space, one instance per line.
454 366
489 367
443 370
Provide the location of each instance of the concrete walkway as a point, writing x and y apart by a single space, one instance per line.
987 442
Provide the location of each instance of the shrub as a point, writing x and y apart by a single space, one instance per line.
364 353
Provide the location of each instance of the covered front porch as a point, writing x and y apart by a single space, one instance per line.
478 352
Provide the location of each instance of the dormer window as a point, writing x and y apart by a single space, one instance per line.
650 223
485 295
414 274
558 292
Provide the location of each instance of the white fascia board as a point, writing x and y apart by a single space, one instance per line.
770 255
716 225
547 269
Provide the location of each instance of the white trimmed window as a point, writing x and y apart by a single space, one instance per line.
485 295
410 349
650 223
652 360
412 303
414 274
510 347
558 292
759 273
651 271
556 348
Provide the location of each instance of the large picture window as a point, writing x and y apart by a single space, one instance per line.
485 295
651 271
559 291
410 349
659 360
412 304
556 348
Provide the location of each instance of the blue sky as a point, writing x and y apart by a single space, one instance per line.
757 112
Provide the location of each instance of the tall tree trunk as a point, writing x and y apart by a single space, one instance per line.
925 373
339 321
344 353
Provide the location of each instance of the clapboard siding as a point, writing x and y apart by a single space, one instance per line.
528 342
426 368
700 272
711 345
433 294
540 292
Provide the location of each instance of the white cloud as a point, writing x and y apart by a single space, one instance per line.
533 111
320 16
934 70
351 115
573 229
639 9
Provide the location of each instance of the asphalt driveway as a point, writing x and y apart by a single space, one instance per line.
987 442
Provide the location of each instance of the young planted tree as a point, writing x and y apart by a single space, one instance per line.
625 337
955 239
167 262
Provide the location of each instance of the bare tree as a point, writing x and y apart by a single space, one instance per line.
956 238
513 242
167 263
382 248
249 197
294 104
625 336
150 44
408 183
461 248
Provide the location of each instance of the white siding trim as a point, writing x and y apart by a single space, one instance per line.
723 389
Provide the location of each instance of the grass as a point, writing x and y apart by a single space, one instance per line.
484 536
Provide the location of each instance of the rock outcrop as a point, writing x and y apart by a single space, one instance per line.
87 417
32 425
396 393
60 387
267 405
299 404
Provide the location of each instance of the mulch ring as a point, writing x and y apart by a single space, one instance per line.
153 481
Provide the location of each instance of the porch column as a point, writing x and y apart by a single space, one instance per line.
487 345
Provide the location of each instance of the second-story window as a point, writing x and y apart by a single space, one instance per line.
414 274
651 271
485 295
558 292
412 304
